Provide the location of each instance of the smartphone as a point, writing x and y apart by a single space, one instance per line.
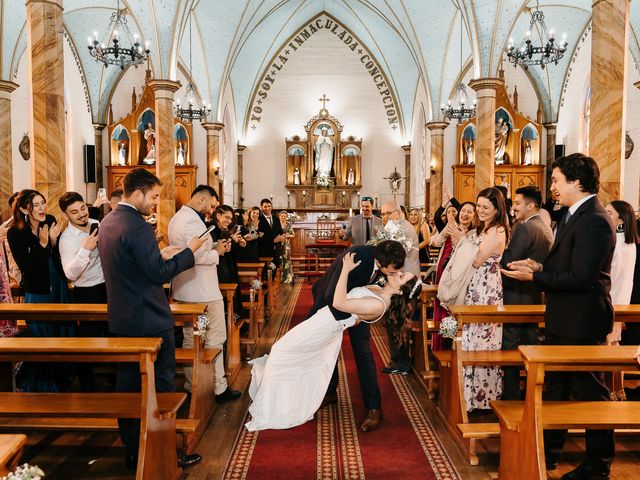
93 228
208 230
238 228
102 193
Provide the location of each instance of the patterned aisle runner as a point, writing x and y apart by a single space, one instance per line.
331 446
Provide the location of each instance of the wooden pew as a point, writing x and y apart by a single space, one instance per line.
233 361
157 457
202 403
522 423
422 342
451 405
271 294
11 447
256 307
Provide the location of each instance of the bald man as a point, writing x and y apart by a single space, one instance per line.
400 361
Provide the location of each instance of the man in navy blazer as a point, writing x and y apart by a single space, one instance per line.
576 279
135 270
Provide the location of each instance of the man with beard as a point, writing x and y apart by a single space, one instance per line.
135 271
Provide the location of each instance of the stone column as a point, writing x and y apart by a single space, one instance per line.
407 175
436 163
213 154
241 149
485 122
165 163
97 135
551 153
609 41
6 155
46 79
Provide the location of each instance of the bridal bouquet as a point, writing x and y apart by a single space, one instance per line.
392 231
25 472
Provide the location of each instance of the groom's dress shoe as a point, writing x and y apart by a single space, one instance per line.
329 399
372 420
185 461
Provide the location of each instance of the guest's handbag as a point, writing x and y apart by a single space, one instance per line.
458 273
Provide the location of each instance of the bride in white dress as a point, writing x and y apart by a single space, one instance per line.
288 385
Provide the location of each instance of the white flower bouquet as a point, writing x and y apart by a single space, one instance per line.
25 472
201 324
293 217
449 327
323 181
392 231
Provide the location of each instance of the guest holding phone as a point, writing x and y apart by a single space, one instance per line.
247 226
284 248
227 267
33 239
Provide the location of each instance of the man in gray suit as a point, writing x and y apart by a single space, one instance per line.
363 227
532 238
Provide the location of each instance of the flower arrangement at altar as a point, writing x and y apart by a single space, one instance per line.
323 182
25 472
293 217
392 231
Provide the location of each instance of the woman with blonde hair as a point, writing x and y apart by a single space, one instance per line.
416 218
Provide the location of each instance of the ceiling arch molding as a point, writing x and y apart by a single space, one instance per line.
295 41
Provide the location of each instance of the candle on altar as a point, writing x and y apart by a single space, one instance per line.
350 212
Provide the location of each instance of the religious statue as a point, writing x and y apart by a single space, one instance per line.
351 177
468 151
502 134
528 152
296 176
150 137
180 157
323 149
122 153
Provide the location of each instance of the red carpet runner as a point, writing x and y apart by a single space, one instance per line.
331 447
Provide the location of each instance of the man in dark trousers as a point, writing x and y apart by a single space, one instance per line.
269 224
386 258
135 270
576 280
532 238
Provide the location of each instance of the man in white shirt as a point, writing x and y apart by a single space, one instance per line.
200 283
80 258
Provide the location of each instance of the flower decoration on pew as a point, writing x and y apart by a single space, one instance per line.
25 472
201 324
392 231
256 284
449 327
271 266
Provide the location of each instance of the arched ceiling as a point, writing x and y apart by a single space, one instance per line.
234 40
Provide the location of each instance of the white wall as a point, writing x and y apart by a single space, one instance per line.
20 107
324 64
420 148
228 149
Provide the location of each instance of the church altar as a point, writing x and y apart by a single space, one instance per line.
323 170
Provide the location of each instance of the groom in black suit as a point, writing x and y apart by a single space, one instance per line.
387 258
576 279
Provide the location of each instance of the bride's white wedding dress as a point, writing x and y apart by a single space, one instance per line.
288 385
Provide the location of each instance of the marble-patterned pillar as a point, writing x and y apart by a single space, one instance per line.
97 135
436 163
163 91
6 155
45 57
213 154
485 123
407 175
550 128
241 149
609 41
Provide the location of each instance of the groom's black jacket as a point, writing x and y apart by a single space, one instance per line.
325 287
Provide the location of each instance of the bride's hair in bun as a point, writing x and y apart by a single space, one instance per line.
402 307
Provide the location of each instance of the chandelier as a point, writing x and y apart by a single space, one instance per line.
461 112
528 54
110 51
189 114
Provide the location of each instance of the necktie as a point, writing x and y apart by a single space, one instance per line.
367 232
270 221
563 223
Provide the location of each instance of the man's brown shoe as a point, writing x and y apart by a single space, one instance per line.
329 399
372 420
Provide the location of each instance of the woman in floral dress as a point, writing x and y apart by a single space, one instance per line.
483 384
285 248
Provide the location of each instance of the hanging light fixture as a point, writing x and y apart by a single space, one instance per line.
110 51
528 54
461 112
189 114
